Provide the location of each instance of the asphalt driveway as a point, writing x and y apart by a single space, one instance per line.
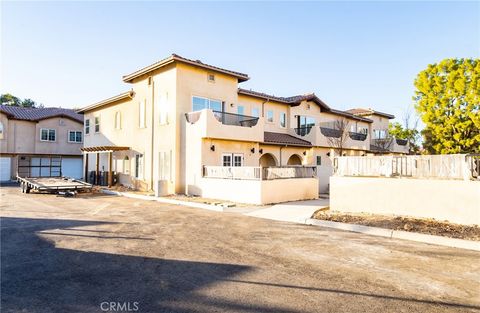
76 254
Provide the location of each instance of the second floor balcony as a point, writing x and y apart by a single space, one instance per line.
330 134
224 125
389 144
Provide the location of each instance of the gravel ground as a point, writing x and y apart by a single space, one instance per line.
75 254
424 226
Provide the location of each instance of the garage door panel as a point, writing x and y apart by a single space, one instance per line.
72 167
5 168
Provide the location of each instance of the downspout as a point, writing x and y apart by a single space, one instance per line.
153 135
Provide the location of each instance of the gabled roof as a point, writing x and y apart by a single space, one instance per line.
364 112
292 101
122 96
37 114
350 115
176 58
284 139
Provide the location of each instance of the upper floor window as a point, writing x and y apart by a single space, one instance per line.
241 110
118 120
283 119
305 121
255 112
1 130
48 134
74 136
97 124
87 127
141 113
270 116
380 134
199 103
211 78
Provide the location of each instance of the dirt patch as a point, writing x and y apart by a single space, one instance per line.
212 201
416 225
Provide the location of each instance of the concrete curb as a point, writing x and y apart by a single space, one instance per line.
398 234
164 200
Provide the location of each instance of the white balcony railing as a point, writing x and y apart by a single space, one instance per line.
259 173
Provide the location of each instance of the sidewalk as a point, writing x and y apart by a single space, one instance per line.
295 211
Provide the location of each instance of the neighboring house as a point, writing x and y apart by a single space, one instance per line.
186 127
381 142
40 142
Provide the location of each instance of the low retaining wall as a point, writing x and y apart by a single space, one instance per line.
456 201
257 191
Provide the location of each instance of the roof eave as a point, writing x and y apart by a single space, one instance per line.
122 96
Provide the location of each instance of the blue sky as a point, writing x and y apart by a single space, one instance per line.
351 54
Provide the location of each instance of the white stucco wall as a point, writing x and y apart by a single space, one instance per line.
456 201
258 191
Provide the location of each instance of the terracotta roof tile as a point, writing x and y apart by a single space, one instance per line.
37 114
284 139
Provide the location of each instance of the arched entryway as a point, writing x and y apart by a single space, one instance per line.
294 159
267 160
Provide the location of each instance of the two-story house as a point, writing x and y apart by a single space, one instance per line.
36 142
187 127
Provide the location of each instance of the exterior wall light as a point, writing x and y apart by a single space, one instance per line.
252 150
304 152
260 151
212 147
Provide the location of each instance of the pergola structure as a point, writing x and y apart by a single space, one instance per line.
97 150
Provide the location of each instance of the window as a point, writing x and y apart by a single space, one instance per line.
319 160
165 165
74 136
283 119
87 127
227 159
139 166
380 133
199 103
97 124
255 112
238 160
1 130
48 134
141 113
270 116
232 159
126 165
118 120
305 121
241 110
211 78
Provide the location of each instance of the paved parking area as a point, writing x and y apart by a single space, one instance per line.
75 254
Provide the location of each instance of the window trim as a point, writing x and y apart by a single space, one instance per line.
211 80
283 114
230 155
233 159
255 109
95 124
74 131
206 98
48 134
273 116
2 131
86 127
118 126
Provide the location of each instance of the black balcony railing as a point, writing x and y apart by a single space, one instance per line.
331 132
303 131
357 136
235 119
401 142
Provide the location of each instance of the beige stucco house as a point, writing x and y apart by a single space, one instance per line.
187 127
40 142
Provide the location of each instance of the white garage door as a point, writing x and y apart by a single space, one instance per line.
5 169
72 167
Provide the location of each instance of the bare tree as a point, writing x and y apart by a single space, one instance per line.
337 133
382 145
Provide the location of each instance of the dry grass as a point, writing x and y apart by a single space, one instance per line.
424 226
